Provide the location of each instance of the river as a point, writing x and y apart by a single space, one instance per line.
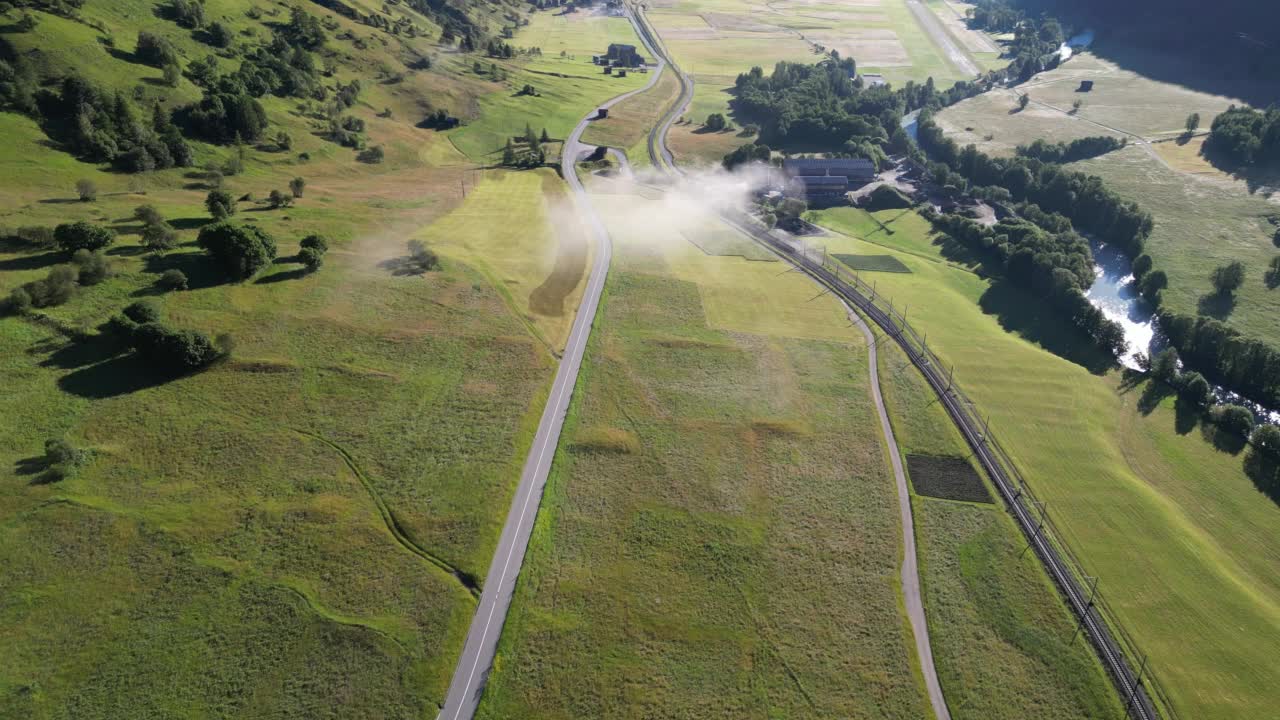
1115 293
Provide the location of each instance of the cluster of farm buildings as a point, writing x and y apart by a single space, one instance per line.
823 181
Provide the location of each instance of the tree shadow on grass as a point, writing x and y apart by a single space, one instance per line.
1152 395
1031 318
296 274
77 354
1264 471
31 465
118 376
1186 415
198 267
33 262
189 223
1217 305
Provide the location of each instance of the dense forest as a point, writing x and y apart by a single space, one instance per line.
1081 198
1244 136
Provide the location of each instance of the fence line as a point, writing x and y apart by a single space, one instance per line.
1138 688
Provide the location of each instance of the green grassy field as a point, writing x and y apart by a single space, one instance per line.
1001 634
718 537
298 531
627 127
568 86
1143 494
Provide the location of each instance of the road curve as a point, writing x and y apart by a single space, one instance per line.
481 644
910 571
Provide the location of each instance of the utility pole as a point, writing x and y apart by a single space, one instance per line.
1044 510
1093 592
1137 683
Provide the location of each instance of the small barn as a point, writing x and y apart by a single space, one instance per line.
624 55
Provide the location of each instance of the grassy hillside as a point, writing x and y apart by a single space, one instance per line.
1142 490
297 531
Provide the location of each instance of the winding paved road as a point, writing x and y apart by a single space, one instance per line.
910 572
481 644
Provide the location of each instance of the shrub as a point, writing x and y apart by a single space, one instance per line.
1141 266
220 204
56 288
1234 419
143 311
173 351
147 215
318 242
279 199
61 459
92 265
18 301
715 122
422 258
241 250
373 155
220 35
159 237
297 186
1195 389
86 190
1267 439
1164 365
311 258
1228 278
155 50
82 236
173 279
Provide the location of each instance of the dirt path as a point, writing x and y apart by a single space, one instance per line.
910 571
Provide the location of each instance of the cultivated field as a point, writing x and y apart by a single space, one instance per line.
719 535
1204 218
627 127
1173 527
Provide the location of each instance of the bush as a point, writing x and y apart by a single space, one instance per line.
82 236
279 199
61 459
297 186
173 279
173 351
86 190
241 250
319 242
55 289
715 122
220 204
18 302
1267 439
147 215
159 237
373 155
1195 389
155 50
422 258
143 311
311 258
1228 278
1234 419
92 265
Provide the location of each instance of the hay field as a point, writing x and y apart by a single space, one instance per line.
1143 494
